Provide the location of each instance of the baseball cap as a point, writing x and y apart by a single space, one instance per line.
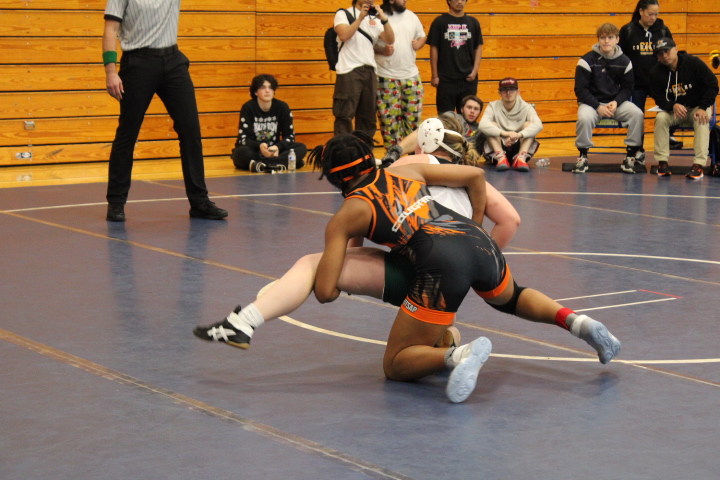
508 83
664 43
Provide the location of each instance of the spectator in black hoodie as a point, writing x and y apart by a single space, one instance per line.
637 39
684 88
603 85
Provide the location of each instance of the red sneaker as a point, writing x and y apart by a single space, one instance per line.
520 162
502 163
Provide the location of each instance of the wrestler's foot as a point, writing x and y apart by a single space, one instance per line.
468 359
225 332
597 336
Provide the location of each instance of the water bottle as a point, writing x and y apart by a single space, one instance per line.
542 162
291 161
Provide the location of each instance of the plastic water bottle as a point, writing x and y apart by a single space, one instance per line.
542 162
291 161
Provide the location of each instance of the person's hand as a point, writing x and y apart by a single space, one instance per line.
679 111
604 111
389 50
264 150
114 86
612 106
364 10
416 44
511 138
274 151
435 81
701 116
472 76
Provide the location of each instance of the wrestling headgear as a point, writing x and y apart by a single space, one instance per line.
430 136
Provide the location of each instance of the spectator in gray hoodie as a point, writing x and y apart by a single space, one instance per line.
510 125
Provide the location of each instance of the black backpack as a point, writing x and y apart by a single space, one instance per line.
715 147
332 50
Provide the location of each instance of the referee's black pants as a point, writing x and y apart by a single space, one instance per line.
144 74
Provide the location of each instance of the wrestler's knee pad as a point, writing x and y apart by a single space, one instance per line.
511 305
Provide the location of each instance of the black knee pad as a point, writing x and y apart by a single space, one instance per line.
511 306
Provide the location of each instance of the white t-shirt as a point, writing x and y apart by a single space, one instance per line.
401 64
358 50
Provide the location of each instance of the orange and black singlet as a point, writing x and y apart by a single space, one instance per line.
450 253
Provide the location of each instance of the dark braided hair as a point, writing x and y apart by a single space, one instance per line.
344 158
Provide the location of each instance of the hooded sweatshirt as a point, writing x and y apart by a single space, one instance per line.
600 79
510 121
692 84
637 43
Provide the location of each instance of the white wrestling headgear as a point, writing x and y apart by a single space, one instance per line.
430 136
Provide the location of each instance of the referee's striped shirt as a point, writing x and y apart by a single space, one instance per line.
145 23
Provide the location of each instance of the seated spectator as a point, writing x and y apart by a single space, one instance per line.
603 86
266 134
471 108
510 125
684 88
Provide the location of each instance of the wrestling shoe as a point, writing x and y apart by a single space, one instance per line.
502 162
696 172
628 165
640 158
663 169
581 166
224 332
520 163
463 378
597 336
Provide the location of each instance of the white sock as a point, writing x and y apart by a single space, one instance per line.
247 320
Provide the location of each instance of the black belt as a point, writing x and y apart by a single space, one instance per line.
155 51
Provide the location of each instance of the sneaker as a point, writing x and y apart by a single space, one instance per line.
520 163
663 169
628 165
115 212
463 378
675 144
451 338
209 210
502 162
696 172
581 166
224 332
598 337
269 168
640 158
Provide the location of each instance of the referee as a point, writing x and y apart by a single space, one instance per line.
151 63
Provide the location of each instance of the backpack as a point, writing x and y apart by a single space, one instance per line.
333 45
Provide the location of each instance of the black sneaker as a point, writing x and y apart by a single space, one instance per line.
115 212
209 210
628 165
640 158
663 169
224 332
675 144
695 173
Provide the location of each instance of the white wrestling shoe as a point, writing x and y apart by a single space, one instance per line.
463 378
597 336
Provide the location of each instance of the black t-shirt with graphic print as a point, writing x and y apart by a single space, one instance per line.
456 39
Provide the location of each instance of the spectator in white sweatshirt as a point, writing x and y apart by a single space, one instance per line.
510 125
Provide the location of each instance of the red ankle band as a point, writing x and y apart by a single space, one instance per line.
561 316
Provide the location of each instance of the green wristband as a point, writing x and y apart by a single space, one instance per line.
109 57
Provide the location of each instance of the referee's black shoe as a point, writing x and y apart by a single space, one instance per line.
207 209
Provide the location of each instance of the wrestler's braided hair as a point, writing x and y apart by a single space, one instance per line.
344 158
470 156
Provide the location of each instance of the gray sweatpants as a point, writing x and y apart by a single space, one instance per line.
627 113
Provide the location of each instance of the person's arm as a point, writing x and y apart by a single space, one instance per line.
476 65
246 129
387 35
418 43
435 80
707 78
583 78
627 84
350 221
113 83
345 31
488 125
501 212
535 126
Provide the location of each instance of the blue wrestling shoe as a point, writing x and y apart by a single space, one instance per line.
598 337
224 332
463 378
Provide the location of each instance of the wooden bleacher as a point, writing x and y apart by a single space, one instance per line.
52 79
